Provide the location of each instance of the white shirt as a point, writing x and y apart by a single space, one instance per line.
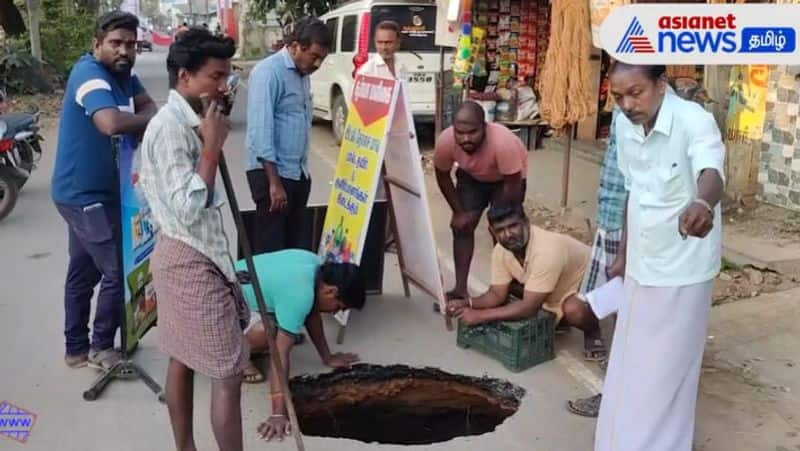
377 67
661 172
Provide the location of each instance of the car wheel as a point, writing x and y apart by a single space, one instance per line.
339 117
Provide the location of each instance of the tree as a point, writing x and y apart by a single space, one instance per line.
287 10
33 21
150 9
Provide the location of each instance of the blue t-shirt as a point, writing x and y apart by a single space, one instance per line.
84 168
288 282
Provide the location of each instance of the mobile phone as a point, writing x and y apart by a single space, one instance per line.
205 102
225 103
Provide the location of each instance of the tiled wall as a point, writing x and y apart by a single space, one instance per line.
779 171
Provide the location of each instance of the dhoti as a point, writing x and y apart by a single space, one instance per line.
650 391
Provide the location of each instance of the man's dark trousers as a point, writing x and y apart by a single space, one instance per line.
93 235
276 231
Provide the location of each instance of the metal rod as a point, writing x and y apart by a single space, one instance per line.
244 243
565 174
437 123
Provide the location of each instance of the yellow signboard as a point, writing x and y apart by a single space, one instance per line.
358 169
747 103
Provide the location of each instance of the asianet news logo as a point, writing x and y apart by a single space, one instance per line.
712 34
703 34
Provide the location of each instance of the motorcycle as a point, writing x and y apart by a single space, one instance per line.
20 152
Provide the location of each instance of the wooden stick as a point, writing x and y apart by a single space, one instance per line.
393 220
262 306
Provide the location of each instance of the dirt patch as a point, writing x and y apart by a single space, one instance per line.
733 282
763 220
48 104
401 405
741 283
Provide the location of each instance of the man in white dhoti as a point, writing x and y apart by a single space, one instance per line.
671 154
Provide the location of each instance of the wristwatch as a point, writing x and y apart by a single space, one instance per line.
704 203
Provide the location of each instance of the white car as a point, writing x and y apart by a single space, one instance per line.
353 27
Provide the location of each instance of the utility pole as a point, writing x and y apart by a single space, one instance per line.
33 24
241 50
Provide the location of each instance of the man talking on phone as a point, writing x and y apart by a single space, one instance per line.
201 309
103 97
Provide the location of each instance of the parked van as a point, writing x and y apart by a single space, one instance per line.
353 27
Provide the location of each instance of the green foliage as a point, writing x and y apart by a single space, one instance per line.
64 34
20 73
728 265
288 10
15 65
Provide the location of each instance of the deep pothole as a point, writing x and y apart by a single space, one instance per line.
401 405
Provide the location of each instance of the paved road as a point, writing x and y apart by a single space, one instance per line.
32 265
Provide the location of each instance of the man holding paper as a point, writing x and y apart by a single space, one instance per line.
671 154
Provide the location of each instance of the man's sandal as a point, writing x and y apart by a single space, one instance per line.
449 296
252 375
586 407
595 351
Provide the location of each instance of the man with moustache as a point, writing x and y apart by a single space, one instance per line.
279 114
671 155
492 166
549 265
103 97
387 43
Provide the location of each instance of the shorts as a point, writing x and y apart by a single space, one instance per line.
476 196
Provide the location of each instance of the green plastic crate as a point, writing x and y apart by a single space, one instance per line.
518 345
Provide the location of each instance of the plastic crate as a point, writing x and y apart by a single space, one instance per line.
518 345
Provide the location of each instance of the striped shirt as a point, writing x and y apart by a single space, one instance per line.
279 113
612 193
177 196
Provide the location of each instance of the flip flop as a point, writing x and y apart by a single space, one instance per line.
449 295
586 407
252 375
596 352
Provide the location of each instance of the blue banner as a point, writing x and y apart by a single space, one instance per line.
138 240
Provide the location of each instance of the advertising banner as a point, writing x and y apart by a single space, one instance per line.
747 103
358 169
138 241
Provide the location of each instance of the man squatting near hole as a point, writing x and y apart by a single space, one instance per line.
549 265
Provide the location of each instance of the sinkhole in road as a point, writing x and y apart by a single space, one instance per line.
401 405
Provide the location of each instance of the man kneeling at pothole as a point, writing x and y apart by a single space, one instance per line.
297 289
549 265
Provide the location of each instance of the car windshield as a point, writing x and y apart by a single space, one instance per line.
417 25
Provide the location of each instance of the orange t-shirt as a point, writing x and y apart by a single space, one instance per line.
502 153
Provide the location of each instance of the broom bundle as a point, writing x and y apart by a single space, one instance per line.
565 83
